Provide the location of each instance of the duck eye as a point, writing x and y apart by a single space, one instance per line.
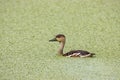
58 36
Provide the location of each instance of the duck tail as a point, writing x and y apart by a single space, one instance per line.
92 54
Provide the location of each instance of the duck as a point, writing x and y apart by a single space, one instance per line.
73 53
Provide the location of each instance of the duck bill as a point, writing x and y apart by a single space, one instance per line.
54 39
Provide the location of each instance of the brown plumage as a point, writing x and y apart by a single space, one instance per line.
74 53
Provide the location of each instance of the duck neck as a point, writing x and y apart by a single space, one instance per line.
62 44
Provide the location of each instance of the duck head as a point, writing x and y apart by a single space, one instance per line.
58 38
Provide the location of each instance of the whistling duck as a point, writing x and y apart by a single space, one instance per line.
74 53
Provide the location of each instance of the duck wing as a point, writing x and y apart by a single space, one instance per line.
80 52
